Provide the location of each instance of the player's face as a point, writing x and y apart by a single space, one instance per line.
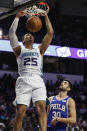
64 86
28 38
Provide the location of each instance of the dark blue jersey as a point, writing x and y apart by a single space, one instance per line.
58 108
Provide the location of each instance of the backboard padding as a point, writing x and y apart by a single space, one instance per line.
14 6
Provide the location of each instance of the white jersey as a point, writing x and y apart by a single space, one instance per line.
30 61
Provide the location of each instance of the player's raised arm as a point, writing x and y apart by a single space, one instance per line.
12 34
48 37
72 111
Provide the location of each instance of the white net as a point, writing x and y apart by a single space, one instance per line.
31 11
36 10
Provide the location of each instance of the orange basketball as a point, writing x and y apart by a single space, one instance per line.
34 24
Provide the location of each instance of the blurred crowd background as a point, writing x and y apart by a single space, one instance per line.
7 109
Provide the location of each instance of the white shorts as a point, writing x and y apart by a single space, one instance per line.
27 87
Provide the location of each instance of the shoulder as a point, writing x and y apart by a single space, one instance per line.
50 98
71 101
41 49
37 49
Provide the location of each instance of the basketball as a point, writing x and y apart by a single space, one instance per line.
34 24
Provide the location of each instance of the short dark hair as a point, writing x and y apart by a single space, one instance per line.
70 84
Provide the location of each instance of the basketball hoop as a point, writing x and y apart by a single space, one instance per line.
36 9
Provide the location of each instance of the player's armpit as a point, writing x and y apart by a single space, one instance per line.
50 98
17 51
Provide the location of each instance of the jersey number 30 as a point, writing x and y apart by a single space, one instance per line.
30 61
56 114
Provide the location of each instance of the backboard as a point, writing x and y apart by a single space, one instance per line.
11 7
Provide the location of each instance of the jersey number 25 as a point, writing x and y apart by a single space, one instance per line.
30 61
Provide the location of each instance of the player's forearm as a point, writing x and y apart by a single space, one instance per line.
67 120
48 25
14 26
12 33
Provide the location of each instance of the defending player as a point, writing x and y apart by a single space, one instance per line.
30 83
61 110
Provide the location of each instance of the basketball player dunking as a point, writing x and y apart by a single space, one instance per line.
61 110
30 83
